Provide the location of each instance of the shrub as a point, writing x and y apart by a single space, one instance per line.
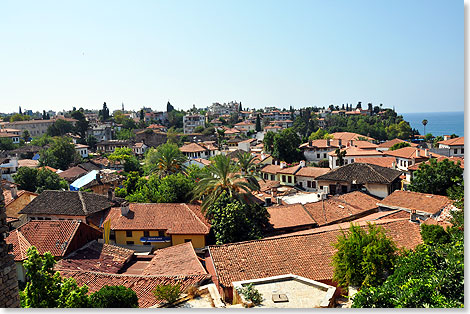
250 294
114 296
168 293
434 234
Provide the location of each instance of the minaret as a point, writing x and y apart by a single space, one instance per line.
122 106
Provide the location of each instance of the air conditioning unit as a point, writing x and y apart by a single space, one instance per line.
326 189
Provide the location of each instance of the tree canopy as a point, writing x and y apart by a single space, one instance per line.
399 145
436 177
364 257
38 180
60 155
164 160
286 146
60 127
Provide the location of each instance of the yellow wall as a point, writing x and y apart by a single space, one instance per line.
286 176
14 207
197 240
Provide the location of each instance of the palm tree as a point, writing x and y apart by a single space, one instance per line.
246 162
223 175
166 159
424 122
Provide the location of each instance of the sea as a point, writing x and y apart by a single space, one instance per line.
439 123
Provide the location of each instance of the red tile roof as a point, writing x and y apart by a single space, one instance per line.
407 200
192 148
364 144
142 285
72 173
355 151
312 172
439 159
458 141
272 169
306 253
96 256
390 143
322 144
174 218
289 216
379 161
347 136
175 261
409 153
54 236
389 214
341 207
289 170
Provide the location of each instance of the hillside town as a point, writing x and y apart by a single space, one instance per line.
229 207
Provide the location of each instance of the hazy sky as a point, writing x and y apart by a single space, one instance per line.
58 54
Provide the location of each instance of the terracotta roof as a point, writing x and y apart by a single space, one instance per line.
389 214
272 169
341 207
312 172
390 143
174 218
54 236
71 203
458 141
49 168
96 256
355 151
379 161
105 178
364 144
5 134
175 260
203 161
322 144
73 173
192 148
9 199
245 123
289 170
306 253
142 285
408 152
81 146
361 173
289 216
347 136
439 159
422 202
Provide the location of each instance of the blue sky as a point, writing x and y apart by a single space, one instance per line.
59 54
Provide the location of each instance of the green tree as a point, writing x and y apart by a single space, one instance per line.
81 126
222 176
399 145
246 162
26 135
436 177
431 275
208 131
319 134
38 180
114 297
125 155
103 114
198 129
60 127
364 257
42 140
91 141
19 117
340 154
258 123
437 139
60 155
424 122
168 293
233 221
286 146
164 160
6 143
434 234
45 288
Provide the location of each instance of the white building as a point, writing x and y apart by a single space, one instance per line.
352 152
455 146
82 150
190 122
317 150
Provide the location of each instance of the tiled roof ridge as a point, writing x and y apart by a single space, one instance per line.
80 196
326 230
135 275
375 171
77 225
21 243
194 215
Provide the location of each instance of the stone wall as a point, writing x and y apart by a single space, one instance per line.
9 295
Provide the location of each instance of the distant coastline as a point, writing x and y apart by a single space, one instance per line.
439 123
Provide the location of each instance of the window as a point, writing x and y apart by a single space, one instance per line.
283 178
314 184
187 240
455 151
309 184
289 179
462 150
324 155
146 234
128 233
336 162
300 184
272 177
318 156
161 233
130 242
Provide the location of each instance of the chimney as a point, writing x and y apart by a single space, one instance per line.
302 163
413 217
309 143
394 165
267 201
279 201
328 142
351 143
339 143
111 194
14 192
283 164
124 209
274 191
426 152
418 153
98 177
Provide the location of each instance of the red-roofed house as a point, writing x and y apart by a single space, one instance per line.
158 224
352 153
454 145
